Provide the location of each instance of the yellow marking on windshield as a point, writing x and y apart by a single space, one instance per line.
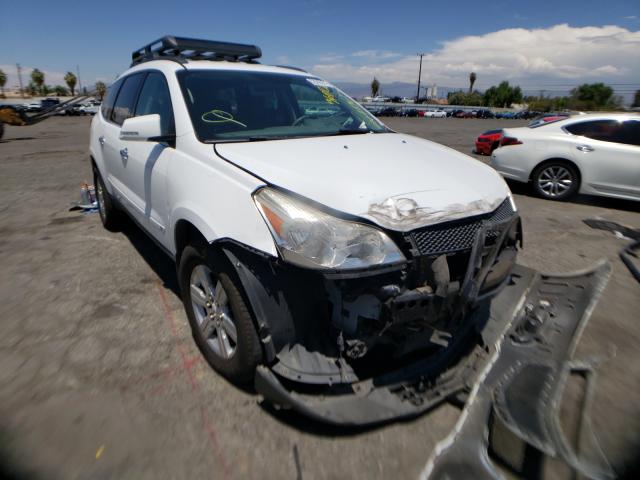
328 96
220 116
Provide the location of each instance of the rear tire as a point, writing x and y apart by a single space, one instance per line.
217 313
555 180
110 216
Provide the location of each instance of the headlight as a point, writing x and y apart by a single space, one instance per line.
311 238
512 201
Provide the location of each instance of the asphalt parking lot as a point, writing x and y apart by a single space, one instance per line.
99 377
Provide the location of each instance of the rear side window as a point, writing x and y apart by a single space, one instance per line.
155 98
603 130
125 102
110 98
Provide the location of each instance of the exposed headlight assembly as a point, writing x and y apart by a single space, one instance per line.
311 238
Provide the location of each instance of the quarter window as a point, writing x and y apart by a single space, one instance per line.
630 133
155 98
125 102
603 130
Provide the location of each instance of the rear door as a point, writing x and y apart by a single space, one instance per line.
107 149
608 152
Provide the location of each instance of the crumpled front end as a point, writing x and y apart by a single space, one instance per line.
372 345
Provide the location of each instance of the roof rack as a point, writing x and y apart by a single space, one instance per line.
181 49
292 68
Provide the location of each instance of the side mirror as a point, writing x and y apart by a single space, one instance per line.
145 128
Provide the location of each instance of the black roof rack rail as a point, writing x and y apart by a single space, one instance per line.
292 68
182 49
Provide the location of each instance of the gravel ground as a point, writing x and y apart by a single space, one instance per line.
99 376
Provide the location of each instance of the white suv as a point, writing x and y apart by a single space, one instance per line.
311 241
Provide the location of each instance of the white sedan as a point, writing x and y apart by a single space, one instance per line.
435 114
596 154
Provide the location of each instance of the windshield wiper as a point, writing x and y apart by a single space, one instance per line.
350 131
245 139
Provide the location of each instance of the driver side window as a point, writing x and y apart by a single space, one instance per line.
155 98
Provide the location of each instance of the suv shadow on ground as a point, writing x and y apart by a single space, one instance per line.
159 262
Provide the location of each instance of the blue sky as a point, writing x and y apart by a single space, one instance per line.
341 40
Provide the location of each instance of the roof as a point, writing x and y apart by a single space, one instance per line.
218 65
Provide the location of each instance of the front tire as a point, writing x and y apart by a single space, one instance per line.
220 319
555 180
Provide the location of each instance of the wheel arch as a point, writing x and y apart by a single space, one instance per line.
557 160
186 233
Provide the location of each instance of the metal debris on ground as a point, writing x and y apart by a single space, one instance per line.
629 255
523 383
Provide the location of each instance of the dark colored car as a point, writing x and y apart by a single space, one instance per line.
487 142
411 112
389 112
484 113
48 103
463 114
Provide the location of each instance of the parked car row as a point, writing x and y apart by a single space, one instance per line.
86 108
522 115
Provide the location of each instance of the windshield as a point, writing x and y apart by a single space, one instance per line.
227 105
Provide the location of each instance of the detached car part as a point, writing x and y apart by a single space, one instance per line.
523 380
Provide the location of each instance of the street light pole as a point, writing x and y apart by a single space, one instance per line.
419 75
20 79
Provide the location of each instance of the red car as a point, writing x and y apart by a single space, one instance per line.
488 142
544 119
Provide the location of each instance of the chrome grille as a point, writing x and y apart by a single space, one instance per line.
455 236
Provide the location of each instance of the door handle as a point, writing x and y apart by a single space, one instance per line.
124 154
101 140
585 148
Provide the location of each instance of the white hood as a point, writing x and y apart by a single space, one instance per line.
398 181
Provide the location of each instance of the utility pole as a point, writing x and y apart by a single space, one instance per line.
419 75
20 79
78 74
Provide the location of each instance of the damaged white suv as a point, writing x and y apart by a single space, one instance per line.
316 249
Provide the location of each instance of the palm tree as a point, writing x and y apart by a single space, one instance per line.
37 77
101 89
71 81
472 80
3 81
375 87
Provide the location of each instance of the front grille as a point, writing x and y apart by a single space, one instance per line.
454 237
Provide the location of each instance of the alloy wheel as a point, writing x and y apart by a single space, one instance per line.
555 180
210 305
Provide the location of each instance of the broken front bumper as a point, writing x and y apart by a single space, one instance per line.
536 319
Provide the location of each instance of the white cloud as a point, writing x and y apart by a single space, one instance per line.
532 56
330 57
375 54
631 17
283 60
